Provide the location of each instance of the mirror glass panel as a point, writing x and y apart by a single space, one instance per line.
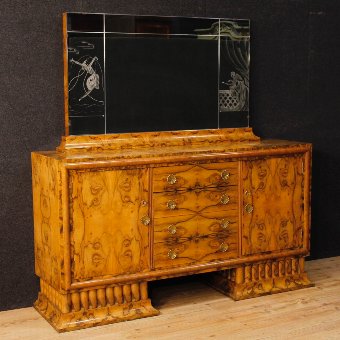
141 73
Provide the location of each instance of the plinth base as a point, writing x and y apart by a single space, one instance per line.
263 278
82 314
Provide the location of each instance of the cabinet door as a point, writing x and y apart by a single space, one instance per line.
107 235
273 204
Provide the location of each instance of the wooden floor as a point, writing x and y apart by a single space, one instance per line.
192 310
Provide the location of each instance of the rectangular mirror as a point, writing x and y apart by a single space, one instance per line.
127 73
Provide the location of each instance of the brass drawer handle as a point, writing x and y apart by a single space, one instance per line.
225 224
224 247
225 175
171 179
146 220
172 229
225 199
172 254
249 208
171 205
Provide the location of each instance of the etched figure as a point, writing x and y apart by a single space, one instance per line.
92 82
86 79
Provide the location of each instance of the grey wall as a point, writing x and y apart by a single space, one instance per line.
294 95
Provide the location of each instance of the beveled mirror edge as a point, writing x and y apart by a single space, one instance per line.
65 60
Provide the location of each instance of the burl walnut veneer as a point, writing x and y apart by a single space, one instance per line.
112 212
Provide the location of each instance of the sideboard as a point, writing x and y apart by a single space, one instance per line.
113 212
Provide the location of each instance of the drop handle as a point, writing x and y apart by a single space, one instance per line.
171 205
172 229
224 247
146 220
171 179
224 224
249 208
172 254
225 199
225 175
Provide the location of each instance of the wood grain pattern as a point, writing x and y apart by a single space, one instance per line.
156 139
103 205
195 176
48 231
190 309
88 308
262 278
275 189
196 238
108 237
196 201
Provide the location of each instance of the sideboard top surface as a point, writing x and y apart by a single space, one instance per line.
165 154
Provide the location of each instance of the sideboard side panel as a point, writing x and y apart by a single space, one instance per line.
46 185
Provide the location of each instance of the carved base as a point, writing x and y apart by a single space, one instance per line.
261 278
94 307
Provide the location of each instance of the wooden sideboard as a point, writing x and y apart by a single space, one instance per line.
112 212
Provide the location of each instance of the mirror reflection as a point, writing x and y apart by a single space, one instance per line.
140 73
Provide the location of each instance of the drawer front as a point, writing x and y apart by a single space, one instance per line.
186 177
194 239
177 227
197 201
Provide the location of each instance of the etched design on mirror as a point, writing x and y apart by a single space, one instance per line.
92 80
143 73
86 82
234 66
236 97
85 76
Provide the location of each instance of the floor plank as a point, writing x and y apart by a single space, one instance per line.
192 310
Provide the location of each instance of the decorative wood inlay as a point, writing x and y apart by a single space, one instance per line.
195 202
48 230
87 308
156 139
198 238
274 188
108 236
196 176
104 225
262 278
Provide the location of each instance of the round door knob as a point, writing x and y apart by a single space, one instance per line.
225 224
224 247
224 199
249 208
171 179
171 205
172 229
172 254
146 220
225 175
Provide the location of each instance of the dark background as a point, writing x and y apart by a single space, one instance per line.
295 85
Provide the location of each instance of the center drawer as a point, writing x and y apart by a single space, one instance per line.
184 177
185 240
190 202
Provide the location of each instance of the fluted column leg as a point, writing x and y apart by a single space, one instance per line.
78 309
261 278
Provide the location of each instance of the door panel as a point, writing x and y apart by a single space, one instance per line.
107 235
273 204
